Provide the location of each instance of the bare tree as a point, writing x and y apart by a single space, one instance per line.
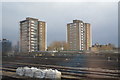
58 45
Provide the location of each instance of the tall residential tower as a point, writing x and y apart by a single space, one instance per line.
32 35
79 35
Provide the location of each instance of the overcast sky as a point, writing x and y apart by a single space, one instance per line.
103 17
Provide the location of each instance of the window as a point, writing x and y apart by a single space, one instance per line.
70 42
40 33
75 24
41 28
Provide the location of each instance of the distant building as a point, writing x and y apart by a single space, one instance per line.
98 47
0 46
6 47
79 35
16 48
32 35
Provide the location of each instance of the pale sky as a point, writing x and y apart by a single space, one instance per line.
103 17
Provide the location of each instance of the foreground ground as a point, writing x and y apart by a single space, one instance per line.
83 66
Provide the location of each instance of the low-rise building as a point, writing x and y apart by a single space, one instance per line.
98 47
